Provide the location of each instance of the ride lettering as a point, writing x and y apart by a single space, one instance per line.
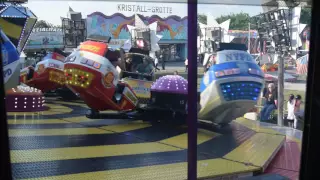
54 66
141 89
7 72
140 8
238 57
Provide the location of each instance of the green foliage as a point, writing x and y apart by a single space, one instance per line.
43 24
305 17
202 18
238 21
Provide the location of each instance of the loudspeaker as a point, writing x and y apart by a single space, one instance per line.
145 35
75 16
216 34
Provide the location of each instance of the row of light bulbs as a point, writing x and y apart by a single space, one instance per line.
57 77
26 89
39 98
74 79
22 35
26 106
34 102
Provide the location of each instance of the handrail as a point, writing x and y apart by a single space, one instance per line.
138 54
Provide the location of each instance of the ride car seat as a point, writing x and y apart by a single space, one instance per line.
30 73
118 93
112 55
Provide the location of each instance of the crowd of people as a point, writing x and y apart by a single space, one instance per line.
294 112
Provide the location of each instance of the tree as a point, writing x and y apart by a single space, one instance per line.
43 24
202 18
305 17
238 21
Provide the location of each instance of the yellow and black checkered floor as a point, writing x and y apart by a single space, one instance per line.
62 143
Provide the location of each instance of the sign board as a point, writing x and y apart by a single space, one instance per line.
140 88
232 56
47 30
144 9
117 43
115 26
45 40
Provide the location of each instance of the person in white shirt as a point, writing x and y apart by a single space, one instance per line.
291 108
186 64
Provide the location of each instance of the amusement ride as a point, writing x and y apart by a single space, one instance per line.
123 81
101 77
16 24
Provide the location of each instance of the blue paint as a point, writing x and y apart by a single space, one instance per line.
7 72
9 51
229 65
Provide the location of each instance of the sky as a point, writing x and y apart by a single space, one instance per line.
51 11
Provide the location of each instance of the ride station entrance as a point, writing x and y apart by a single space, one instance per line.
177 52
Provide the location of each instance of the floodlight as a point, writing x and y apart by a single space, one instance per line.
210 37
74 32
273 26
141 38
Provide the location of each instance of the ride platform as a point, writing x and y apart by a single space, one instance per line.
61 143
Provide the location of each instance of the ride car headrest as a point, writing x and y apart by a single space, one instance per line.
113 55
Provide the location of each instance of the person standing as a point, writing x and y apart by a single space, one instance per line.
298 113
186 64
290 108
270 104
165 58
156 62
